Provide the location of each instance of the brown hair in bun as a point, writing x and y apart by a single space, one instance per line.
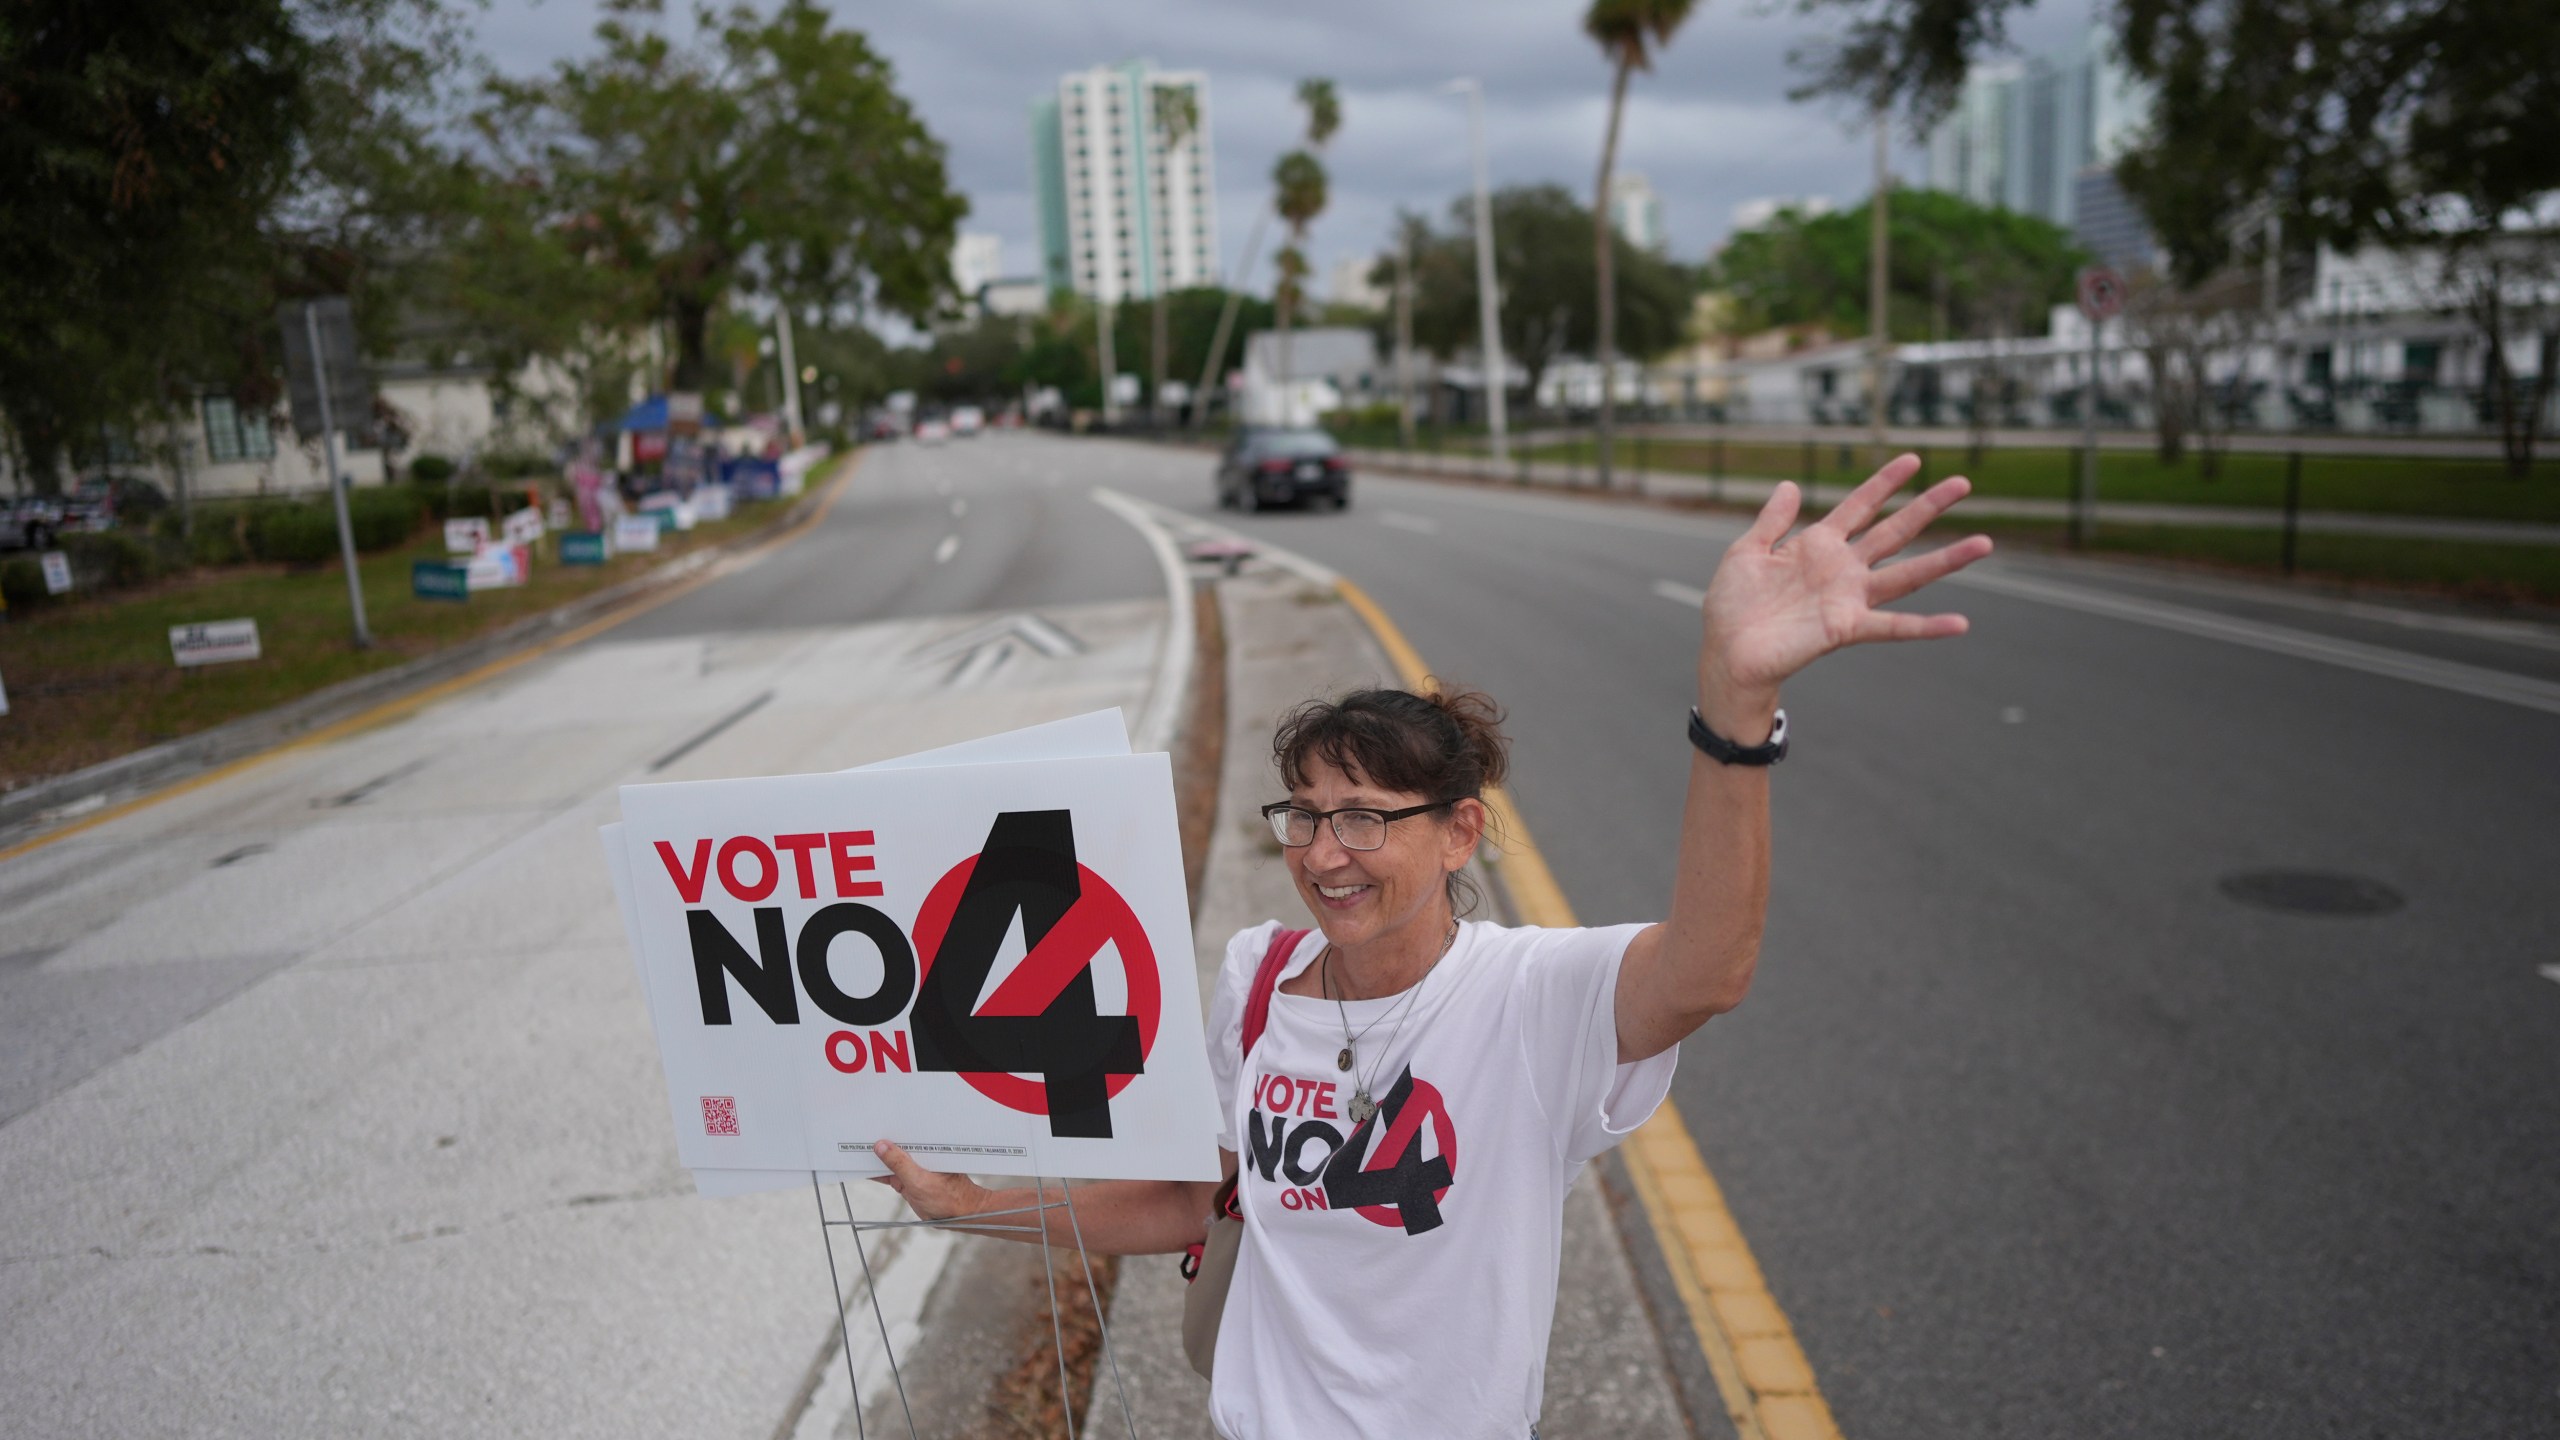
1446 745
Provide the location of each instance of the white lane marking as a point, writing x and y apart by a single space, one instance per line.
1154 730
2551 973
959 506
1419 525
1679 594
2473 680
949 547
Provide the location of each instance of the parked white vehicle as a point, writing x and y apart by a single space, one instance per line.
968 420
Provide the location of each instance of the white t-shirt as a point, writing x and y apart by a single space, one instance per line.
1399 1278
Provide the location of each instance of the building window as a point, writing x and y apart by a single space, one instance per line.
230 435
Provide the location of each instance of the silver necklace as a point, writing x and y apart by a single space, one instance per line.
1362 1106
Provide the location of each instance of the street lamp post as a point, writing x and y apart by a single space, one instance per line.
1488 308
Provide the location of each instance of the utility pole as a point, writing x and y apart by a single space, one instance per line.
1227 319
1876 289
337 481
790 376
1404 336
1488 308
1110 373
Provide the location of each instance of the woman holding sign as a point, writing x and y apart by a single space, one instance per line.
1407 1097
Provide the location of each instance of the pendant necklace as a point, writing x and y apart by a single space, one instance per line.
1362 1106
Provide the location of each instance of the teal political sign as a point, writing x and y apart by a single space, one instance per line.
435 580
582 547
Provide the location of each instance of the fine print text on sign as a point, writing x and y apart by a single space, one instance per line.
214 641
988 963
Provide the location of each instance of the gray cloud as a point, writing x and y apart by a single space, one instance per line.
1712 126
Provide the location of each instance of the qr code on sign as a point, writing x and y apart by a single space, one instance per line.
719 1114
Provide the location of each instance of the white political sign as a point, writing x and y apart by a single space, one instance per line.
989 963
1098 732
57 572
213 642
634 532
464 535
522 527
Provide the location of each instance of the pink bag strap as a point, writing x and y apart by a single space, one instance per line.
1257 1003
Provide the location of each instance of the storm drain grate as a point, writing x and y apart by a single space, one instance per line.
2312 892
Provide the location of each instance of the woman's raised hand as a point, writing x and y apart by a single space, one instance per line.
1779 602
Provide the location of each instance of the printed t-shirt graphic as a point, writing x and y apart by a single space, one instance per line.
1399 1275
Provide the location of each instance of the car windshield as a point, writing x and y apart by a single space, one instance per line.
1293 442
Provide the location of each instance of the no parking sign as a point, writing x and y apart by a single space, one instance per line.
989 964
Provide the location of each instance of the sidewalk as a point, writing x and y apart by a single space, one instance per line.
1289 638
1747 490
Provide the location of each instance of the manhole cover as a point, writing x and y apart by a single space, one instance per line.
2312 892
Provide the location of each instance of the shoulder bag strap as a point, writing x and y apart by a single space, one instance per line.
1257 1002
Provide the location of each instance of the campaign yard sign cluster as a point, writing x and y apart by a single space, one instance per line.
982 953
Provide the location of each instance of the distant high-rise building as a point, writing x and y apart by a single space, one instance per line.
977 258
1637 211
2022 132
1123 215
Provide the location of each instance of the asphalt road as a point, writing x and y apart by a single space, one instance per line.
328 1102
2035 1129
321 1112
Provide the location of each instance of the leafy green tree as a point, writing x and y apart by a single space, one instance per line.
1958 270
143 148
2427 126
1628 32
1907 55
1301 193
1543 256
774 155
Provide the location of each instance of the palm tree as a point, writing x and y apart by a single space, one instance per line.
1300 183
1628 32
1177 114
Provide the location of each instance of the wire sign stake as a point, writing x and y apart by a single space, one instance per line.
1021 1220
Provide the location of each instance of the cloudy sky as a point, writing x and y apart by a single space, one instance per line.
1712 126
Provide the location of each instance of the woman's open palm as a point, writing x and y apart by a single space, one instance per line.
1779 602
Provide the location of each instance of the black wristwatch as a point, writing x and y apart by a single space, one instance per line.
1724 752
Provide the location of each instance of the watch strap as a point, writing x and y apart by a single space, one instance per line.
1725 752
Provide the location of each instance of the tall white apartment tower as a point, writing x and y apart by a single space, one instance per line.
1124 215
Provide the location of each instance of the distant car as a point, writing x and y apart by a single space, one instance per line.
1266 467
968 420
932 432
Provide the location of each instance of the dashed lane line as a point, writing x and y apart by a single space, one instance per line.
1768 1386
949 547
1418 524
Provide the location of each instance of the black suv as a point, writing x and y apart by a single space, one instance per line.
1264 467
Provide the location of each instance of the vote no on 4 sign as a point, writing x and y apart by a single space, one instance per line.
990 964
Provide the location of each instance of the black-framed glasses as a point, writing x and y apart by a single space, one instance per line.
1358 827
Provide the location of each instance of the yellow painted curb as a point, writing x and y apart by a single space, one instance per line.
1768 1385
400 707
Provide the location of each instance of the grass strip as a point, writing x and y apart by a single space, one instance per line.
91 678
